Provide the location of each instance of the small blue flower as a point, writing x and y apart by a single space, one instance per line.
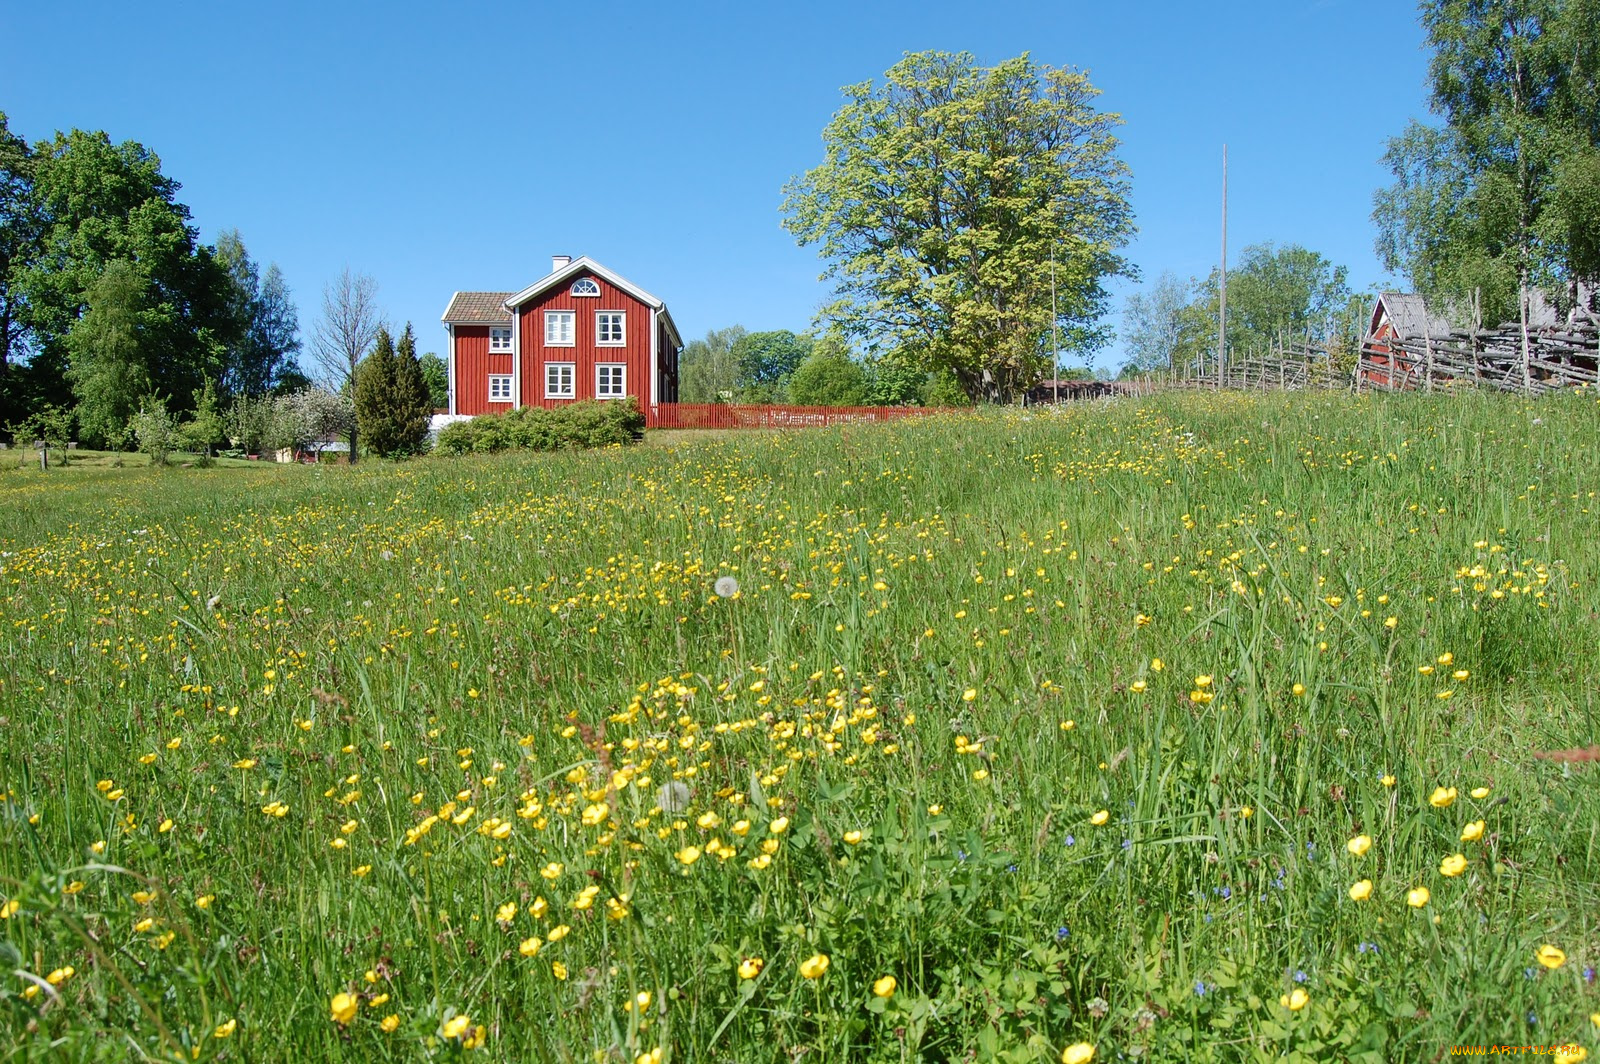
1011 868
1588 975
1062 934
1533 1020
1527 973
1223 892
1071 840
1366 947
1127 844
961 855
1299 976
1199 988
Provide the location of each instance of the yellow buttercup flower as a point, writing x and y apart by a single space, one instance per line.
1417 897
1480 793
814 966
852 837
1551 957
343 1007
1387 781
1453 865
389 1022
455 1026
1472 832
1359 845
751 967
1100 818
1442 797
1361 890
1295 1000
1077 1053
884 987
1571 1054
688 855
223 1030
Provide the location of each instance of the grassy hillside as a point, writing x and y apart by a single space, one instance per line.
1006 734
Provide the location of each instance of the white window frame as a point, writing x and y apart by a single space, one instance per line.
589 281
510 392
571 375
551 317
622 328
619 375
500 344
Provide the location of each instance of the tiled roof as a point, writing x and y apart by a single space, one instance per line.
482 308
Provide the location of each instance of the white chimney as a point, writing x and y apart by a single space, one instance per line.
559 262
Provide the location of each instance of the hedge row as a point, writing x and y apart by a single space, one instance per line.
589 423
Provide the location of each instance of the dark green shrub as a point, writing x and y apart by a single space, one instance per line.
589 423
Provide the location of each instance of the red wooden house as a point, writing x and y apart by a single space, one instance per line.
579 332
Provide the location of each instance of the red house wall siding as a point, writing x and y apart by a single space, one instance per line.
474 364
584 353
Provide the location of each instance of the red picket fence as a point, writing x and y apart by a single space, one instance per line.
727 416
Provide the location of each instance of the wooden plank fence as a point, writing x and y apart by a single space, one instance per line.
752 416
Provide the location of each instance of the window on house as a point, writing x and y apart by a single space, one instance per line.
559 380
500 338
610 380
585 286
500 388
558 328
608 326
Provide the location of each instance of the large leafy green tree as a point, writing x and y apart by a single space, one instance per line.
97 203
436 375
828 376
708 369
1274 292
949 195
1160 330
265 323
1505 191
766 360
111 353
18 242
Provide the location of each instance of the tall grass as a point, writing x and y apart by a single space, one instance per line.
401 717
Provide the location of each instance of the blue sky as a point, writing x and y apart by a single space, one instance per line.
459 145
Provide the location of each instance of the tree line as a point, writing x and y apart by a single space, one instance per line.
1276 296
733 365
1493 204
1500 194
108 297
119 327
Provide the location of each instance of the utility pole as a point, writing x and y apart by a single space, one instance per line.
1222 301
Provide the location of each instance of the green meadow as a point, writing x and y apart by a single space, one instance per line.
1200 727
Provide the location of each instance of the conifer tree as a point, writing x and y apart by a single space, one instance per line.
413 401
375 396
392 404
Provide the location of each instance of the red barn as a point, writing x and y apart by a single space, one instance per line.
1398 316
579 332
